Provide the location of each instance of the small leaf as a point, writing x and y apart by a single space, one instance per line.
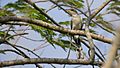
2 52
92 24
65 23
92 31
64 44
2 33
115 3
76 3
4 12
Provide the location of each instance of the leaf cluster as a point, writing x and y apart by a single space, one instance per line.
114 8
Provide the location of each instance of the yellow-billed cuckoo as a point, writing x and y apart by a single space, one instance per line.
76 24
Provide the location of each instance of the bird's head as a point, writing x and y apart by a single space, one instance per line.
71 12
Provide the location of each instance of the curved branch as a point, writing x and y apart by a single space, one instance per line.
9 50
53 27
48 61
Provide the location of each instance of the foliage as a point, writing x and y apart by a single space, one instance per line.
76 3
4 12
114 8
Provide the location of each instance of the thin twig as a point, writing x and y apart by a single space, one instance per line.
15 35
95 52
92 50
10 50
91 3
22 53
58 5
28 50
69 50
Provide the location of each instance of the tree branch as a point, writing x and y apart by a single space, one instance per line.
100 8
48 61
41 23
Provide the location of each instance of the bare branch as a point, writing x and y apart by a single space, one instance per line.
47 60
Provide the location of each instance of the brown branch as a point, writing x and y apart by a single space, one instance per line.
53 27
100 8
48 61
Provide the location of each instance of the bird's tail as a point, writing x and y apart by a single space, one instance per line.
79 49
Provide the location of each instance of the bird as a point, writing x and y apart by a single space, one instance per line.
76 24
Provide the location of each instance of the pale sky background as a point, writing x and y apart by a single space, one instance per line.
50 51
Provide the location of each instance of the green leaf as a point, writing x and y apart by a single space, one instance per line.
115 3
92 31
2 33
59 43
65 23
114 8
92 24
99 17
63 44
24 9
2 52
67 44
76 3
45 33
4 12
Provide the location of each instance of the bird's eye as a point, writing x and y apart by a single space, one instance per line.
72 10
